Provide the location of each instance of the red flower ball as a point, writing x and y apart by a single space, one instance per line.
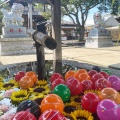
95 77
52 115
23 115
19 75
106 75
102 83
74 85
55 76
87 85
92 72
57 82
90 101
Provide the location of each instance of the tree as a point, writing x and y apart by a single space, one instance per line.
44 9
78 11
113 6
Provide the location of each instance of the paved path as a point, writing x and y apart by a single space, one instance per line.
102 56
109 56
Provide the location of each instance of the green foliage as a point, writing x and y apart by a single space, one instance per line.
40 7
1 16
46 15
116 7
113 6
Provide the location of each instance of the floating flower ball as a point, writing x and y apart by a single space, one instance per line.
63 91
102 83
113 78
115 82
80 71
32 75
52 101
19 75
26 82
92 72
74 85
87 85
90 101
95 77
108 110
55 76
105 74
57 82
107 71
69 74
31 105
23 115
96 68
109 93
83 76
52 115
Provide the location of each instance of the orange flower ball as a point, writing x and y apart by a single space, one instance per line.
52 101
83 76
77 75
82 71
69 74
110 93
32 75
26 82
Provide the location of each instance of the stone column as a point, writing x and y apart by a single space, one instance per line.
30 23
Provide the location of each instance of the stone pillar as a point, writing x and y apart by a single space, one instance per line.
56 34
30 20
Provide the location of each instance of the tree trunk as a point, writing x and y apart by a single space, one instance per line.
81 31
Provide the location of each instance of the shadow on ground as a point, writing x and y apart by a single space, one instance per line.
115 66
